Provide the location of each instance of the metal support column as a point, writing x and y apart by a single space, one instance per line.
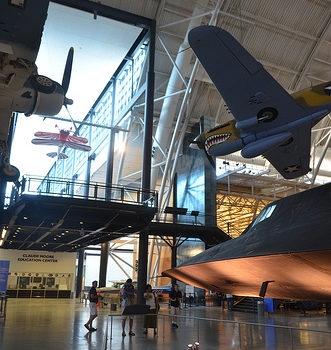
148 117
174 197
142 266
147 160
174 257
103 264
88 175
79 280
110 156
110 164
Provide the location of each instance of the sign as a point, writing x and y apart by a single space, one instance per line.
4 269
36 261
45 258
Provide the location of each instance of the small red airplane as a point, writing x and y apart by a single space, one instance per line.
61 139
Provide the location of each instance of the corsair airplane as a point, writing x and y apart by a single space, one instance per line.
268 120
22 89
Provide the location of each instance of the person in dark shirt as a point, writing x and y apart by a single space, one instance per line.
128 294
93 296
175 297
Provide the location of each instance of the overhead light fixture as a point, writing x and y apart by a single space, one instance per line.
81 222
25 218
1 242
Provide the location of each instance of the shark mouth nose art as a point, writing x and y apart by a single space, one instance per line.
215 140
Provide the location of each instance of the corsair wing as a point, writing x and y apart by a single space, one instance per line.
22 24
246 87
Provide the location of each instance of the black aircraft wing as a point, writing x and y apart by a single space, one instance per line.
246 87
21 27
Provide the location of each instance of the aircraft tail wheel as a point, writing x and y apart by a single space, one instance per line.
43 84
9 173
267 115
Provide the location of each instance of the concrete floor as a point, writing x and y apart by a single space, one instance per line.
35 324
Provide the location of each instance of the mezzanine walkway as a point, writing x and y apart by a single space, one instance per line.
64 215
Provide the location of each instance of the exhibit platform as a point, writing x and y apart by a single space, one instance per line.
36 324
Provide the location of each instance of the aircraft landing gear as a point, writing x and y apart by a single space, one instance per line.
267 115
7 172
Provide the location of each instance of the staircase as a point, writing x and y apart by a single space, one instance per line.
246 304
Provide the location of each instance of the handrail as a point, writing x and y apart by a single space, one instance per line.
61 187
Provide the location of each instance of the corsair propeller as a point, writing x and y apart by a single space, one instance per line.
66 82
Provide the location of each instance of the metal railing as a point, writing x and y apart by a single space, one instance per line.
69 188
215 333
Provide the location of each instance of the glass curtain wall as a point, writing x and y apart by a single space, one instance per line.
126 81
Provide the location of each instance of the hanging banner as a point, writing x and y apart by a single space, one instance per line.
4 269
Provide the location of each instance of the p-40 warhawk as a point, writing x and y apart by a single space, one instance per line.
268 120
22 89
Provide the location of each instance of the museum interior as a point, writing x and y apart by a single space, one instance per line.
189 144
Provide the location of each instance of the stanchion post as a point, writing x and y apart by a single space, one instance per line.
111 327
291 334
198 330
239 333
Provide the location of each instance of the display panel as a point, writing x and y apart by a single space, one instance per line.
39 285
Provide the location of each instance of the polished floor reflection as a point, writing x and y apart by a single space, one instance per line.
34 324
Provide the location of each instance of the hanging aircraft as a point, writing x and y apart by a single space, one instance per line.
22 89
268 120
285 253
62 139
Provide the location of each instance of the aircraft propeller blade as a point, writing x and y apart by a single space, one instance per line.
67 70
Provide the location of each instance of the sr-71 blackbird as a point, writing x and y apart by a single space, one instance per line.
287 245
268 120
22 89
